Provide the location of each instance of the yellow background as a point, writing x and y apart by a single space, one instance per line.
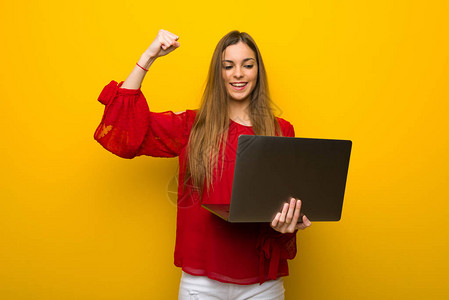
77 222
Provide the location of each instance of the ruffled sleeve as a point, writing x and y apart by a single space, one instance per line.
275 247
129 129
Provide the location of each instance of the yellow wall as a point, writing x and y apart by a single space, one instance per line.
77 222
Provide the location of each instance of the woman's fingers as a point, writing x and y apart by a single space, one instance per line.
169 44
166 41
275 221
287 219
172 35
305 223
284 213
169 38
162 43
291 209
296 214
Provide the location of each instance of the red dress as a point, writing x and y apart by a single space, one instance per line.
205 244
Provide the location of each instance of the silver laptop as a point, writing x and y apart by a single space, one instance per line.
269 170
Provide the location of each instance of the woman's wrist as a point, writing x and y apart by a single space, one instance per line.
146 60
135 78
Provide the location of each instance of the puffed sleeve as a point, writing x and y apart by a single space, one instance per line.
129 129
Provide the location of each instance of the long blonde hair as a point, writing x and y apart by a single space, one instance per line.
210 129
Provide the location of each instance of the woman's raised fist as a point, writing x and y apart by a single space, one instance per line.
164 43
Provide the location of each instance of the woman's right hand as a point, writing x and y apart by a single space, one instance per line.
164 43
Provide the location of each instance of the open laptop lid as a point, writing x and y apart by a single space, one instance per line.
269 170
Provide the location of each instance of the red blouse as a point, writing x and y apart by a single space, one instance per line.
206 245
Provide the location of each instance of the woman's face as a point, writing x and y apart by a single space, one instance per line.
239 71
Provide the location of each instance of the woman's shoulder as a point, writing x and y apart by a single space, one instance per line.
283 122
286 127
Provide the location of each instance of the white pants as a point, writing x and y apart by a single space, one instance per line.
204 288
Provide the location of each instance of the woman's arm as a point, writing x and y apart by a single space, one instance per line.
128 128
164 43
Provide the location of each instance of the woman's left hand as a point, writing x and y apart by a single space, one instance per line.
287 220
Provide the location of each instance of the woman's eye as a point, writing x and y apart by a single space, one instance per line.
249 66
228 67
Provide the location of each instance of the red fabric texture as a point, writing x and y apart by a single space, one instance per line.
205 244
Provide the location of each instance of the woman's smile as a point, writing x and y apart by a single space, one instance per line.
239 85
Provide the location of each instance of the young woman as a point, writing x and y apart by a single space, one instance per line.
218 259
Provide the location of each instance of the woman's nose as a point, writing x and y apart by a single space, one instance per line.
238 72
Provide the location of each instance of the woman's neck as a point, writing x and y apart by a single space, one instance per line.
239 112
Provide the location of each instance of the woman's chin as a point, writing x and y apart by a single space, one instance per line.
239 98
